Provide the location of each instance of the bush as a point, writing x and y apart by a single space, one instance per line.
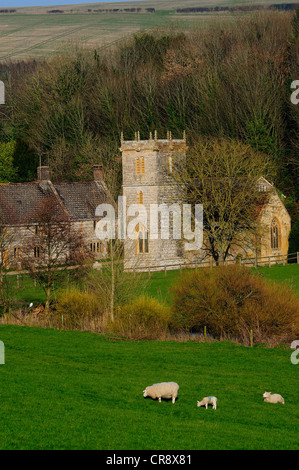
77 309
143 318
231 301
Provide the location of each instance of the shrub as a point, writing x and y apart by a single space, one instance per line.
76 309
143 318
231 301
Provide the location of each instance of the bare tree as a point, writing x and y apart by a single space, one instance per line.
223 175
53 245
6 240
115 286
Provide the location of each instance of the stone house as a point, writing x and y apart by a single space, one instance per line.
20 203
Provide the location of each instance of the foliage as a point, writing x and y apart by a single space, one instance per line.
76 309
7 170
223 175
294 238
229 79
231 301
52 242
143 318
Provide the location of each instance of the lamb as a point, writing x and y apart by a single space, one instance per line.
162 390
208 401
275 398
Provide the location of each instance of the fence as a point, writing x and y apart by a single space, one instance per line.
249 262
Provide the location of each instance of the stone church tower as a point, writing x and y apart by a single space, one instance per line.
147 165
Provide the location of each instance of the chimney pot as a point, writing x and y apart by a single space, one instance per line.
43 173
98 173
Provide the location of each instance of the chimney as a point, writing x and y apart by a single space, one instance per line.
97 173
43 173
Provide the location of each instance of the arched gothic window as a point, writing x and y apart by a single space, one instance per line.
142 240
275 235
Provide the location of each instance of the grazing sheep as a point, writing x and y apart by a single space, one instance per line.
208 401
162 390
275 398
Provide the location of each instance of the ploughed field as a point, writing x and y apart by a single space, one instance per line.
74 390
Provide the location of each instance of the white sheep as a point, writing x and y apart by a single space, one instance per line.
162 390
208 401
275 398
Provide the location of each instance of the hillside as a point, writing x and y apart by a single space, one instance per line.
71 390
34 32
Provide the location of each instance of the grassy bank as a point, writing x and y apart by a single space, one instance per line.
71 390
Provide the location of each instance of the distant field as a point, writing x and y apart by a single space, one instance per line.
24 36
157 4
32 32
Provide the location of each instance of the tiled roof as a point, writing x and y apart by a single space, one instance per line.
81 199
20 203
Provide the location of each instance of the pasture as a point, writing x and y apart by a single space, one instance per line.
73 390
159 285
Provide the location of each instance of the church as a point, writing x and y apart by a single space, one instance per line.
145 182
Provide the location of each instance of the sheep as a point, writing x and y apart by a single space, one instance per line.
208 401
162 390
275 398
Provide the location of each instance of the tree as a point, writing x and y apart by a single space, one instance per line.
294 239
115 286
7 171
222 175
53 246
6 239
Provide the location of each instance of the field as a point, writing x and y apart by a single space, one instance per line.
70 390
32 32
158 285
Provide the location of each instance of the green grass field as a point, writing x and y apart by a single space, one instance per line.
158 285
72 390
32 32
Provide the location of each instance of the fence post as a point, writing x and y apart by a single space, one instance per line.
165 271
297 257
205 332
251 338
269 261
